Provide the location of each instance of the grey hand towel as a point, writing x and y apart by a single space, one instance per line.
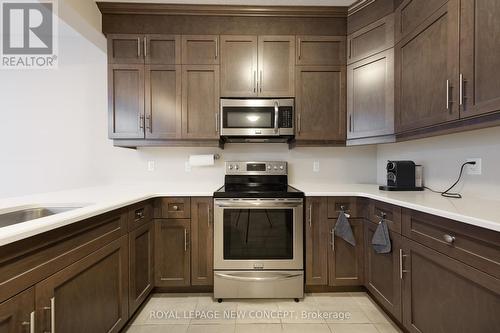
343 229
381 241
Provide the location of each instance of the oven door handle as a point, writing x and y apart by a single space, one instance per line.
258 204
277 277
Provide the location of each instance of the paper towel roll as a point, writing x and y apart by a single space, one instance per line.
201 160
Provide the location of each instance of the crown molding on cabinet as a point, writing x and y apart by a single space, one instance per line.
358 5
221 10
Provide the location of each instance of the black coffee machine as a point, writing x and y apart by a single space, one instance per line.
403 176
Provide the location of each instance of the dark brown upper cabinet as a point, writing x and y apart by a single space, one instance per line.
383 272
202 239
90 295
17 315
321 50
444 295
238 73
144 49
254 66
479 60
125 49
172 252
370 96
320 103
427 71
163 101
316 239
374 38
162 49
126 101
345 261
276 61
200 101
200 50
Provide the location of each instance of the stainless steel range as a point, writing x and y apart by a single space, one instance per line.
258 233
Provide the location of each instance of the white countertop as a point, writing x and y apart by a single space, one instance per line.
98 200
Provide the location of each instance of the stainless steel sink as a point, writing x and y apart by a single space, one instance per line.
30 213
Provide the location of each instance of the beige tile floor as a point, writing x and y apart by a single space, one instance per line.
200 313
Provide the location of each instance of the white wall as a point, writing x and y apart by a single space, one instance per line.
442 157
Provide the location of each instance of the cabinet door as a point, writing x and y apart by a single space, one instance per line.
382 272
200 102
321 50
125 49
17 315
276 66
444 295
162 49
370 96
172 252
126 101
202 247
238 66
89 296
321 103
316 225
200 50
163 101
141 258
479 60
346 262
427 72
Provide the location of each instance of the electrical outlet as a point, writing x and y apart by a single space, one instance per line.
474 169
316 166
151 166
187 167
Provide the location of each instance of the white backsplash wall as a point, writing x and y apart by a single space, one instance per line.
442 157
337 165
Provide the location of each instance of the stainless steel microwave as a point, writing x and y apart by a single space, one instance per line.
257 118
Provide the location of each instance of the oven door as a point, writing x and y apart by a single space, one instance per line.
258 234
256 117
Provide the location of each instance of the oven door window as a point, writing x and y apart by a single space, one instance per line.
258 234
248 117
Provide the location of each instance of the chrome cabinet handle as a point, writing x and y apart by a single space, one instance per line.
175 207
216 48
300 48
461 89
332 232
261 83
149 123
185 240
447 94
401 270
449 239
52 309
209 216
310 215
276 114
30 323
145 47
138 47
299 122
255 81
217 122
141 121
350 123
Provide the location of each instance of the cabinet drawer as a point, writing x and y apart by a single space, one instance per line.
139 214
472 245
392 214
173 208
352 206
370 40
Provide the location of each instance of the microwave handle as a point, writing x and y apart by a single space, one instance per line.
276 114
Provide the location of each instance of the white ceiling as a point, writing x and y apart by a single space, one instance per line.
250 2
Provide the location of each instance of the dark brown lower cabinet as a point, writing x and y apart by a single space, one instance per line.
202 238
172 252
382 272
345 261
316 236
444 295
90 295
141 258
18 313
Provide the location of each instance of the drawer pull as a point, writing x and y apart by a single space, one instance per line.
139 214
401 269
175 207
449 239
382 216
31 323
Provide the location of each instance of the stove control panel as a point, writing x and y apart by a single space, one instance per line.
256 168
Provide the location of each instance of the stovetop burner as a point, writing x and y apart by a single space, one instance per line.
257 180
